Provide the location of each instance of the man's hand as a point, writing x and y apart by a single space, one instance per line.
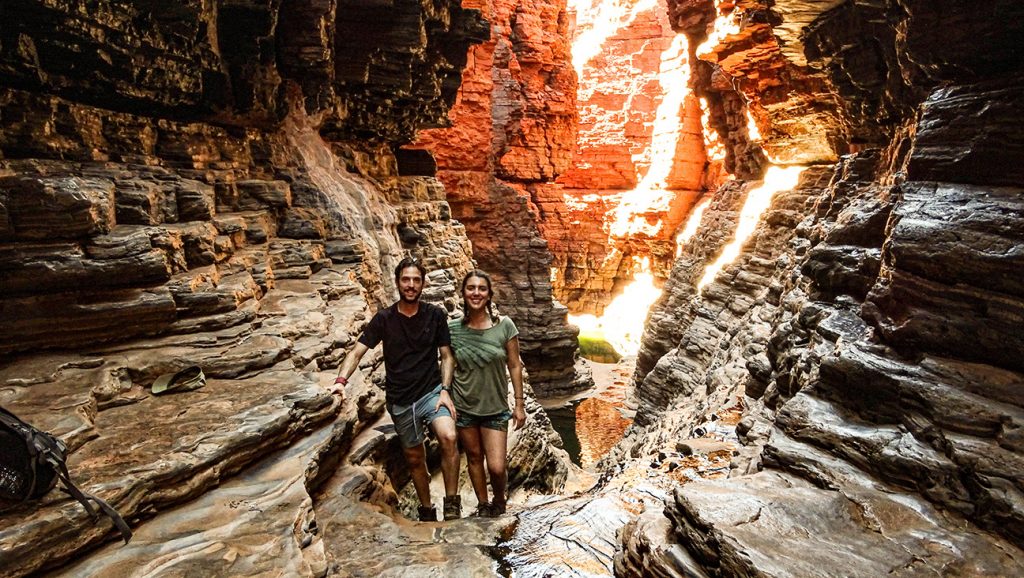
348 367
518 416
339 386
446 400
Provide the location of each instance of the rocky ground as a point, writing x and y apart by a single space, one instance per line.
261 470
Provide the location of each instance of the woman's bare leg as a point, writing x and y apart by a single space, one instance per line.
469 437
496 452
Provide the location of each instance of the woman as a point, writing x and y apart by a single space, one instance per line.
485 346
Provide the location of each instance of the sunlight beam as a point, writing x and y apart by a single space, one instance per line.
610 16
757 202
650 195
692 223
622 324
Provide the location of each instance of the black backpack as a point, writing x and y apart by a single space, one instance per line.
31 462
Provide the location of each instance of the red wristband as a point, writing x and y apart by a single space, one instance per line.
341 379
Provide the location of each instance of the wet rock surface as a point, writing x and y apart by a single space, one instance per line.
770 524
144 453
577 534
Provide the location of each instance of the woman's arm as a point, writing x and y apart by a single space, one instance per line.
515 371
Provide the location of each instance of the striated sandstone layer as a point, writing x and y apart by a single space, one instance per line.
756 49
213 183
512 127
868 330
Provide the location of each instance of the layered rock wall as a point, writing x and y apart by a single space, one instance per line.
639 162
138 157
866 332
213 184
512 127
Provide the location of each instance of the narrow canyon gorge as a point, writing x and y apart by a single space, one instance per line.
800 221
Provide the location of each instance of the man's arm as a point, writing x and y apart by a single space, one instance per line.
348 367
447 370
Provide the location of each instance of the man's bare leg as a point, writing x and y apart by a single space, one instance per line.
416 459
444 429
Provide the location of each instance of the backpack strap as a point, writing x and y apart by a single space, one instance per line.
110 512
49 449
71 489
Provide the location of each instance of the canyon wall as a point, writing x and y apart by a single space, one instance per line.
513 127
214 184
639 160
648 151
867 337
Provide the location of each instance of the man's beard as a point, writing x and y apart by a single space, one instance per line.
414 299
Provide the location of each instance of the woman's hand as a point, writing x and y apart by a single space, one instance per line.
518 415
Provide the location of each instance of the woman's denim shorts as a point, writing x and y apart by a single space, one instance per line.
497 421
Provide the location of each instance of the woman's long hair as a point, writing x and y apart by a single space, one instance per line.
490 295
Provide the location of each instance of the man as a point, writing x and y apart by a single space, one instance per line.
416 389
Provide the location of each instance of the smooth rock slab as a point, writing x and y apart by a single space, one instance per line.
160 451
254 524
578 536
367 540
364 533
774 524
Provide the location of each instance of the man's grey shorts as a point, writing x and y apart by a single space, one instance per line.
412 421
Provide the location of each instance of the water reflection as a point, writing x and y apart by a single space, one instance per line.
563 420
599 426
590 427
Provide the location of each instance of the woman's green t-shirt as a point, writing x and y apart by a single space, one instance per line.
480 386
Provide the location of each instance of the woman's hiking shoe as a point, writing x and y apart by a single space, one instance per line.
427 514
452 507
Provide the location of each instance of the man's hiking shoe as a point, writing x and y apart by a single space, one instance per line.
496 509
452 507
427 514
483 510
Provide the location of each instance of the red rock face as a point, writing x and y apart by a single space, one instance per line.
619 94
513 126
640 160
625 183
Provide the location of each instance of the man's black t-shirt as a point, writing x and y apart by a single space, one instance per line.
410 350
